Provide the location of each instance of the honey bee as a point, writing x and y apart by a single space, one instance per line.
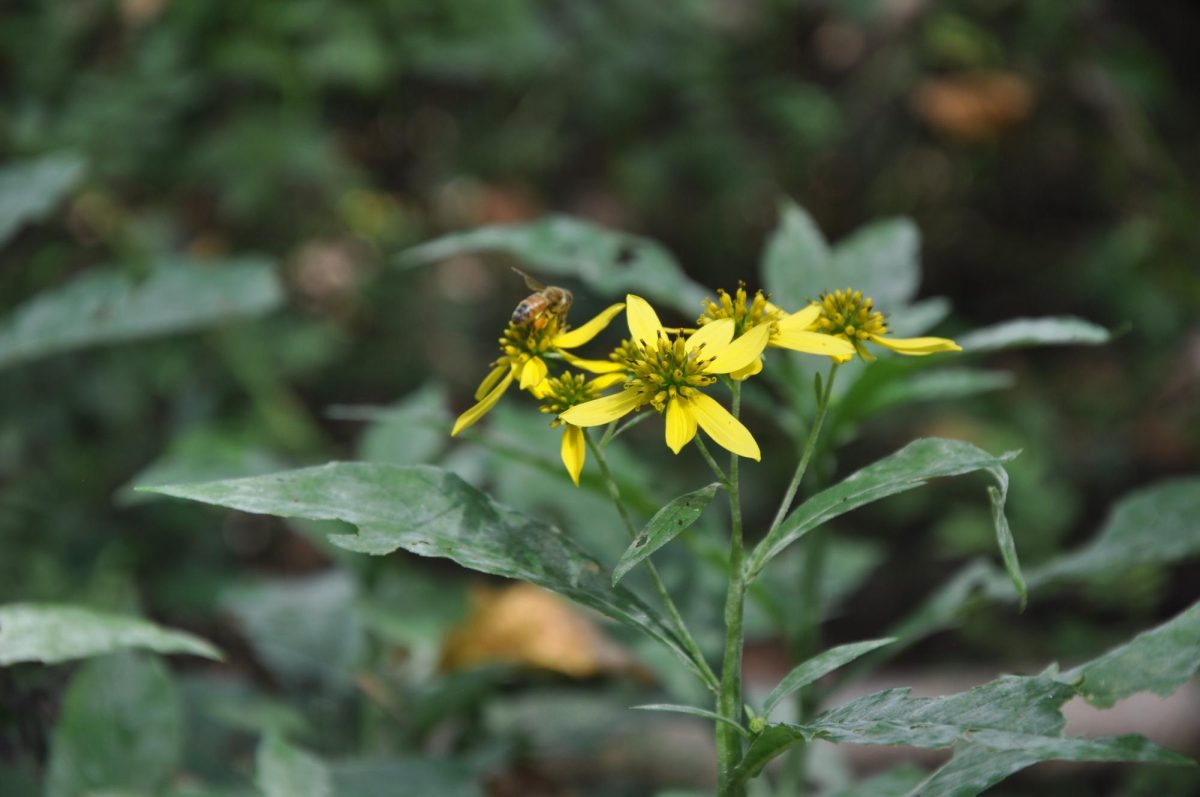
545 303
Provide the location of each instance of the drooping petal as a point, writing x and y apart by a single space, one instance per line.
603 410
491 379
725 430
582 334
741 352
813 343
533 373
916 346
713 336
605 381
479 410
750 370
574 451
681 424
595 366
644 326
801 319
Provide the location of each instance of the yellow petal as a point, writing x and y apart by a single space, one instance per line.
725 430
916 346
595 366
681 424
533 373
603 410
605 381
490 380
741 352
582 334
747 372
801 319
479 410
813 343
644 326
573 451
713 336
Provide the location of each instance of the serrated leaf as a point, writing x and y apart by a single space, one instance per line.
1157 524
286 771
796 259
817 667
674 518
611 263
1020 714
693 711
430 512
53 633
120 731
108 306
1022 332
1159 660
30 189
908 468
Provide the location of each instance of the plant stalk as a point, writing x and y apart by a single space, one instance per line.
729 701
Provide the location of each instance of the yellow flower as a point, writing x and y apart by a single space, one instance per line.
848 315
668 373
523 350
788 330
561 394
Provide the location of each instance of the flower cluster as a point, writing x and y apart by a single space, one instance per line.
669 370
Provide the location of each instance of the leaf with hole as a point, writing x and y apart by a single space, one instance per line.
667 523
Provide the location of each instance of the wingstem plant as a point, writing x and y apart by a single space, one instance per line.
681 374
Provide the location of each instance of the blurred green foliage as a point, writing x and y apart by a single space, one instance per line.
201 210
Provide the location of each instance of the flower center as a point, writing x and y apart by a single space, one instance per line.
746 313
523 340
564 392
847 314
665 369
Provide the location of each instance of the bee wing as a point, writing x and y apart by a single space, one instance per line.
530 282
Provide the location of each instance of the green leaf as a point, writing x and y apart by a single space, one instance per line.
1018 714
1021 332
51 634
416 776
410 432
1159 660
609 262
695 712
304 630
430 512
30 189
895 782
1154 525
880 259
908 468
1004 540
667 522
120 730
870 395
286 771
104 306
819 666
796 260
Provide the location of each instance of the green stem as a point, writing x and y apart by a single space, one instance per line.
712 463
681 629
810 446
729 701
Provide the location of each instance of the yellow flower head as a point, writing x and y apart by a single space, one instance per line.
523 353
788 330
669 374
847 315
562 393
